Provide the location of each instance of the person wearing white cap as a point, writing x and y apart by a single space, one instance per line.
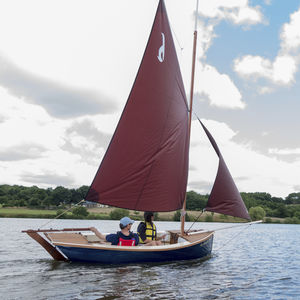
125 237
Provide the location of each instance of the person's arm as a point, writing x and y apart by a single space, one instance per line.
98 233
161 237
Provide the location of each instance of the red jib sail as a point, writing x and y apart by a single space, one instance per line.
146 164
224 197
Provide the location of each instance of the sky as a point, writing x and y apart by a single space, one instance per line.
67 67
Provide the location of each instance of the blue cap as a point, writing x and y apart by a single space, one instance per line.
125 221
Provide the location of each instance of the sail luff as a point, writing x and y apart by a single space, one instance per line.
89 192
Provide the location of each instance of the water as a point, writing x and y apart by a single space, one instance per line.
260 262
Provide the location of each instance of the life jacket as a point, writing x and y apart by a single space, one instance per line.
126 242
150 232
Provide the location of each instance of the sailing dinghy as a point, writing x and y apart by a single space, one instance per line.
145 167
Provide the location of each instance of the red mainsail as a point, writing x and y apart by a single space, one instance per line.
146 164
224 197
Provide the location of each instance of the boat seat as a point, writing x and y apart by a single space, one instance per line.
66 237
175 234
92 238
196 237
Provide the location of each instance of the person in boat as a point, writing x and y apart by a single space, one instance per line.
125 237
147 231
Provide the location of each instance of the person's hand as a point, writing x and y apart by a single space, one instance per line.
163 236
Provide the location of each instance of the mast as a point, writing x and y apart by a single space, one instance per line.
191 105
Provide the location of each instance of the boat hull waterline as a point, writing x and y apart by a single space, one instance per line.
115 255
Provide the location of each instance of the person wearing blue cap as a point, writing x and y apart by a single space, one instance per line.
125 237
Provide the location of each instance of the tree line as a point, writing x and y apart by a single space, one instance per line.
60 197
35 197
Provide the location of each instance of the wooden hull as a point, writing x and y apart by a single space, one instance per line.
140 254
71 244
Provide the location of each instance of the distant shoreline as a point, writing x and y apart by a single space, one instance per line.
104 214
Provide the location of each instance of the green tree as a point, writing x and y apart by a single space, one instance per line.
61 195
119 213
297 214
292 220
257 213
293 198
177 216
82 191
80 212
195 201
281 211
60 214
209 218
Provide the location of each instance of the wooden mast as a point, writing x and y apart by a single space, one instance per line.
191 105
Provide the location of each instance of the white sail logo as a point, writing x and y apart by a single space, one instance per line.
161 50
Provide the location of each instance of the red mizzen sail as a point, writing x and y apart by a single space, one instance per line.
224 197
146 164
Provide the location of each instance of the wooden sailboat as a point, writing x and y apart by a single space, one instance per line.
145 167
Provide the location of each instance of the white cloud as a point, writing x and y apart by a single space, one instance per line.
212 13
205 38
290 34
282 70
34 147
26 123
101 53
21 152
237 11
47 179
265 90
58 99
219 88
252 171
285 151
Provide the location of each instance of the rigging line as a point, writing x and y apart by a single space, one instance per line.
177 40
65 211
227 242
195 221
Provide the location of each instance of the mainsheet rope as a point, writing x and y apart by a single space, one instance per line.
65 211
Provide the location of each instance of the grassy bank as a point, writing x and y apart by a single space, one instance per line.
104 214
11 212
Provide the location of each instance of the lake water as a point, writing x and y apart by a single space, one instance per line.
254 262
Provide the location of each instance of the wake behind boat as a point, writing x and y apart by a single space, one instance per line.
145 167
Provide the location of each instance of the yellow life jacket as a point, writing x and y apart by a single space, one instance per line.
150 232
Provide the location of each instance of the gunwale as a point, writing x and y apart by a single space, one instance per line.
176 246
